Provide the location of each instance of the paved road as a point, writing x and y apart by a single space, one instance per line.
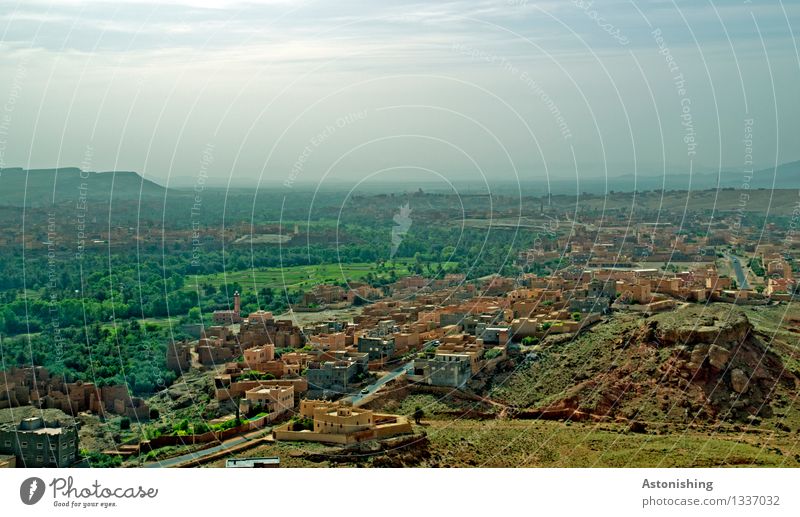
741 278
358 398
227 444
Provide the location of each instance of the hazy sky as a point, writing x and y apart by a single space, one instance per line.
290 92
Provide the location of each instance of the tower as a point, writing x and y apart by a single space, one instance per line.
237 303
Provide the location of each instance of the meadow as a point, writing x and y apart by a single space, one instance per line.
306 277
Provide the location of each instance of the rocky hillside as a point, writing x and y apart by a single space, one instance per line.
693 365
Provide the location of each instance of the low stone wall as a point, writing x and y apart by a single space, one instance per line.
471 414
658 306
323 307
208 437
283 433
739 301
402 426
558 414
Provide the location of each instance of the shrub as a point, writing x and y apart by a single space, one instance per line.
200 428
182 426
100 460
227 424
254 375
151 433
491 354
302 424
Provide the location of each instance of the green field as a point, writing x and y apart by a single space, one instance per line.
304 277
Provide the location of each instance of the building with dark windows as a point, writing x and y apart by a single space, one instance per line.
36 443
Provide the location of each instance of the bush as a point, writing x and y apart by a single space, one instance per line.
227 424
151 433
491 354
100 460
154 414
200 428
302 424
254 375
182 426
757 267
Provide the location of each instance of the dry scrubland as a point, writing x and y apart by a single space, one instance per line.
519 443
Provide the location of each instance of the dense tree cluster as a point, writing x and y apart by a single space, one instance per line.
107 313
124 353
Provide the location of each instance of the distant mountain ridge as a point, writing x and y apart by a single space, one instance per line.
40 187
786 176
70 184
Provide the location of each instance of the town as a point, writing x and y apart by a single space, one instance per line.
327 370
385 244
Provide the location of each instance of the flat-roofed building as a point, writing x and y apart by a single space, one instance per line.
274 400
445 369
36 443
338 422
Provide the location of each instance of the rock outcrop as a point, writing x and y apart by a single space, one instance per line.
718 356
700 363
739 381
714 349
722 329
